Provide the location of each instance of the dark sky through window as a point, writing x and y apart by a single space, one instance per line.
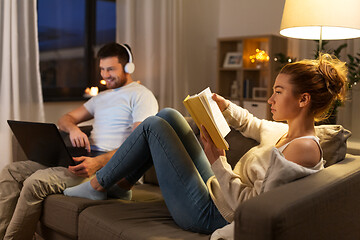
65 54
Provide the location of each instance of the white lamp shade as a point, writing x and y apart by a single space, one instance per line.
334 19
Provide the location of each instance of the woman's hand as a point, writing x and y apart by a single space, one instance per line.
221 102
211 151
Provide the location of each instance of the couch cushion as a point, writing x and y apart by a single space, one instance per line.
131 221
146 193
238 146
150 176
61 213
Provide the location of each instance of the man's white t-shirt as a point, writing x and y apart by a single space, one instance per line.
115 111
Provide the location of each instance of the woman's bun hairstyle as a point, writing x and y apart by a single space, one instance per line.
325 79
334 73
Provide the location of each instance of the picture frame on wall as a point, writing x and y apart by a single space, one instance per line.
233 60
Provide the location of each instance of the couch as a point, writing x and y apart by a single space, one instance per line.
325 205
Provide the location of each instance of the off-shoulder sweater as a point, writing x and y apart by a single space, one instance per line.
230 187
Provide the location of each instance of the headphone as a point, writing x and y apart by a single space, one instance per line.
130 66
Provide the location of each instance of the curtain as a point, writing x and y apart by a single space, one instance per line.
152 29
174 45
20 86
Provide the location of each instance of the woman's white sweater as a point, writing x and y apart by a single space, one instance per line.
230 187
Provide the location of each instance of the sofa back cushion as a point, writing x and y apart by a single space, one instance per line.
333 142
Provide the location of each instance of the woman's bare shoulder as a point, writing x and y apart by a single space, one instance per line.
303 151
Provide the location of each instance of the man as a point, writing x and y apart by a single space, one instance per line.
116 112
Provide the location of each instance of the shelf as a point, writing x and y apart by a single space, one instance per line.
249 79
230 69
244 69
254 100
256 69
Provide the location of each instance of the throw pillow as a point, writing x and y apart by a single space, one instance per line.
333 142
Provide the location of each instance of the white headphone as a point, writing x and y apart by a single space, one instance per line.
130 66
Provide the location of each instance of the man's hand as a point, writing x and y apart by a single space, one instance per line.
79 139
68 123
211 151
221 102
86 168
89 165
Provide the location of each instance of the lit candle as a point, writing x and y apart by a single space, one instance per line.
90 92
94 91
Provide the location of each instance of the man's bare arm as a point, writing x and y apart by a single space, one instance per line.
68 123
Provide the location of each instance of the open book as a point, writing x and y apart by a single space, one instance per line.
205 111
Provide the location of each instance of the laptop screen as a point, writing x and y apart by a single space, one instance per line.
42 143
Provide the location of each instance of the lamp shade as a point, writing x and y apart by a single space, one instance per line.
330 19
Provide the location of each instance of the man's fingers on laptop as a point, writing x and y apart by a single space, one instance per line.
87 145
77 143
80 142
73 143
84 142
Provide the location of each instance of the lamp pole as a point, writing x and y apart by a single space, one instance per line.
320 41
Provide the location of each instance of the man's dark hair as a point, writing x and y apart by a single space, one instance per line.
115 50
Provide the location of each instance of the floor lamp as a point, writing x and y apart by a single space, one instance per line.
324 20
321 19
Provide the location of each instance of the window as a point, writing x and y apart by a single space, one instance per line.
69 32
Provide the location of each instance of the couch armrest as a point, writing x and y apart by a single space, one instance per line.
324 205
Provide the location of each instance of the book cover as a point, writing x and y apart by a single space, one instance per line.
205 111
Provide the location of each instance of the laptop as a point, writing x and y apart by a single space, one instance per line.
42 143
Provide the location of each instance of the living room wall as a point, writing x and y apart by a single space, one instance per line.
244 18
204 21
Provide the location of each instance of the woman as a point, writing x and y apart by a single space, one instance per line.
200 189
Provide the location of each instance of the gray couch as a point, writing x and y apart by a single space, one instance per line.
325 205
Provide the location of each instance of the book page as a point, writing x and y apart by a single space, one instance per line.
214 112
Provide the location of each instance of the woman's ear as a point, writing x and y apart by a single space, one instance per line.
305 99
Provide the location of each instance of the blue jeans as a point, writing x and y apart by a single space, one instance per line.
167 142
